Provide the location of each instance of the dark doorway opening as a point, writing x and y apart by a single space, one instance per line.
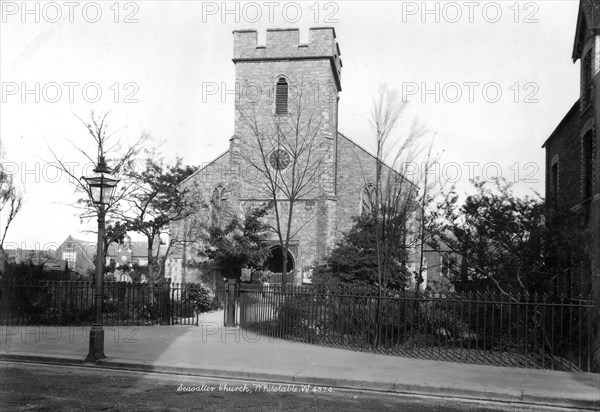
275 260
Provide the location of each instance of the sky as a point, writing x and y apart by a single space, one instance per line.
490 80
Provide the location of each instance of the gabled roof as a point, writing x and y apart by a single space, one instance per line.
572 112
343 136
340 134
202 168
80 242
588 19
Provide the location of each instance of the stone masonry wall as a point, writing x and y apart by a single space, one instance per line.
356 168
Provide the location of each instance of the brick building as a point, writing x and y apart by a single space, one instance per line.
79 253
438 265
270 79
572 155
132 252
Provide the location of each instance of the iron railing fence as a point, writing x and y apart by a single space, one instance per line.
72 303
545 332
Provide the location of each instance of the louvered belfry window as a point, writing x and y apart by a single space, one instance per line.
281 96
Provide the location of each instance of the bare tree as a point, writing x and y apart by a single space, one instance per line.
108 148
393 199
289 154
403 190
430 190
11 200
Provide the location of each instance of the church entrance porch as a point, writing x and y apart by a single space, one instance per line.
275 261
274 264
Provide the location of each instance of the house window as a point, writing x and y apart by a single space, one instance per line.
588 164
445 264
281 96
367 199
554 183
70 257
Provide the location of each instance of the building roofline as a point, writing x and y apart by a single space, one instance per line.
375 158
576 41
588 19
567 116
287 29
76 240
339 134
201 169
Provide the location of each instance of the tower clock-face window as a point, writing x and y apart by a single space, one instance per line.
279 159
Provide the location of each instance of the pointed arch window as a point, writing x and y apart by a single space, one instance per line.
219 201
281 96
219 196
367 199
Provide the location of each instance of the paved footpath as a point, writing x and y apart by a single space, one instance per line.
212 350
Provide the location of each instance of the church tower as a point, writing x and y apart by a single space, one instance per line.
267 76
284 77
287 91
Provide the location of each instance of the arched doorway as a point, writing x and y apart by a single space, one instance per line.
275 261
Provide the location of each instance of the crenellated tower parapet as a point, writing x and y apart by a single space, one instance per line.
284 44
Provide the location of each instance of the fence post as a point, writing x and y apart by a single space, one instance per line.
230 306
165 318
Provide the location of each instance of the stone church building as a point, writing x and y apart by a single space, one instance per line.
287 93
572 155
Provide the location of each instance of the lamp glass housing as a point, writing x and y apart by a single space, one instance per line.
102 188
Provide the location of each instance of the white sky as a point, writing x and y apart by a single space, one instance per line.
176 47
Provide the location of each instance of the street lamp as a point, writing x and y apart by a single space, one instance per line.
102 188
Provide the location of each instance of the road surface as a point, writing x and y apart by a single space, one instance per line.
34 387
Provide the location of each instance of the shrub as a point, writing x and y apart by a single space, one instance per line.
292 318
199 297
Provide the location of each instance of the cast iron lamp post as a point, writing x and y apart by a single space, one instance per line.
102 188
